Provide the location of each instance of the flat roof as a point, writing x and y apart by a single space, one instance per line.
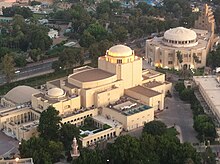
212 89
144 91
91 75
107 121
152 84
128 106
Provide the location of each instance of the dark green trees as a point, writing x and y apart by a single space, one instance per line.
49 124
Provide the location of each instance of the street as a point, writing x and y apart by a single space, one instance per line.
31 70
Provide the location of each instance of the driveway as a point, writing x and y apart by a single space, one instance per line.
179 114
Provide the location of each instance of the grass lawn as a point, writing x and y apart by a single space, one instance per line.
172 131
86 127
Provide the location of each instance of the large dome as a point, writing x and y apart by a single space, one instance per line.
120 51
180 34
20 94
55 92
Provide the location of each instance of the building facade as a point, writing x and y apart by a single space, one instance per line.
181 47
118 95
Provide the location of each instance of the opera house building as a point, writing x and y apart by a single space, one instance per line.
118 96
192 44
181 47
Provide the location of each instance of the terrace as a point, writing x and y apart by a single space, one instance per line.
128 106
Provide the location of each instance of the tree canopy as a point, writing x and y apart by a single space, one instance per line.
49 124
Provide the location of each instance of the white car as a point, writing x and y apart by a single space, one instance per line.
17 71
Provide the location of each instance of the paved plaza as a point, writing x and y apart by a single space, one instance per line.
179 114
8 145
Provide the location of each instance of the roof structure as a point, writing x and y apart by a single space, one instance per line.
144 91
120 51
20 94
91 75
180 34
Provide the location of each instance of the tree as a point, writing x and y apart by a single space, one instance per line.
88 156
71 57
49 124
179 56
8 67
208 157
205 127
67 133
155 128
124 150
41 150
23 11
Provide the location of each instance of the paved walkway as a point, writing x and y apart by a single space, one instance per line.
179 114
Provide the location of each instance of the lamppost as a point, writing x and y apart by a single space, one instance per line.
16 160
107 161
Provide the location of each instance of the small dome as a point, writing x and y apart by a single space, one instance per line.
180 34
120 51
55 92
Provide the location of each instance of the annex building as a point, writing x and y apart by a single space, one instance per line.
118 95
193 45
209 87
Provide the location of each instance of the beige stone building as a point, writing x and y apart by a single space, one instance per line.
206 20
118 94
192 44
209 87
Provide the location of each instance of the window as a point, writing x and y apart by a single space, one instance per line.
119 61
185 55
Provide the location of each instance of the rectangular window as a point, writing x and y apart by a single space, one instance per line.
119 61
170 62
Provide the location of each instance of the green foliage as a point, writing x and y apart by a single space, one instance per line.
155 128
41 150
67 133
23 36
179 87
8 67
88 156
150 149
69 58
33 3
20 60
124 150
49 124
186 95
205 127
213 59
11 11
106 126
179 56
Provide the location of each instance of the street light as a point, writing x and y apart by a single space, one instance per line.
16 160
107 161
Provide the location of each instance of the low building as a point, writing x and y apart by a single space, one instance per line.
209 87
53 34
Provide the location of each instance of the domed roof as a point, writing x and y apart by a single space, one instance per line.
55 92
21 94
180 34
120 51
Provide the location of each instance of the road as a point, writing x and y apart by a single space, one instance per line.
31 70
